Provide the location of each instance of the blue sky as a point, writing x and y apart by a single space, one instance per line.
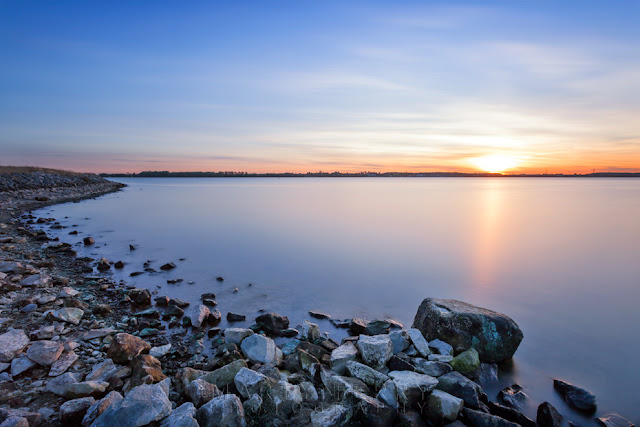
298 86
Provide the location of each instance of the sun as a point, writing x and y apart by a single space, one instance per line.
495 163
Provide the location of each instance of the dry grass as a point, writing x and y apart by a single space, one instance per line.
5 170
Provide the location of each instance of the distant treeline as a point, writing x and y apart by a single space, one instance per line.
167 174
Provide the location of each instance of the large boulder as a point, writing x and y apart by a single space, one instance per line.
494 336
141 406
225 410
260 349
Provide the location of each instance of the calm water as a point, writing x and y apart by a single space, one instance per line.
560 256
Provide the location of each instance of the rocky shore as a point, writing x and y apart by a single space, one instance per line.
77 348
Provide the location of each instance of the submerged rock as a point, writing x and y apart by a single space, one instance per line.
495 336
548 416
614 420
575 396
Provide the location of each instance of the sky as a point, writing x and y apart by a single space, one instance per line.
506 86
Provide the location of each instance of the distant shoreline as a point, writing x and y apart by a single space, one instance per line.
164 174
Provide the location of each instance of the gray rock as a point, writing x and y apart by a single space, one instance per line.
67 292
440 358
4 366
441 347
141 406
99 407
495 336
12 343
60 384
389 394
65 361
341 355
371 411
225 410
309 392
575 396
474 418
236 335
273 323
182 416
332 416
72 411
160 351
249 382
21 364
102 371
285 397
200 392
224 376
261 349
367 375
252 406
36 280
375 350
410 386
419 342
45 352
310 331
460 386
85 389
337 385
443 407
614 420
510 414
14 421
435 369
399 341
68 314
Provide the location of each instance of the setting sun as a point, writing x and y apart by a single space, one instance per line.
495 163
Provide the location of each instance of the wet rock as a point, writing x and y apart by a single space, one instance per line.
140 296
575 396
333 416
488 374
443 408
614 420
99 407
103 264
233 317
201 316
260 349
357 326
88 241
318 315
310 331
467 362
125 347
341 355
474 418
375 350
68 314
141 406
65 361
168 266
419 342
513 396
45 352
182 416
510 414
399 341
72 411
377 327
548 416
12 343
460 386
435 369
273 323
225 375
495 336
200 392
410 386
119 265
236 335
225 410
367 375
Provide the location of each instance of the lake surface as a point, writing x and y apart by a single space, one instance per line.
560 256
